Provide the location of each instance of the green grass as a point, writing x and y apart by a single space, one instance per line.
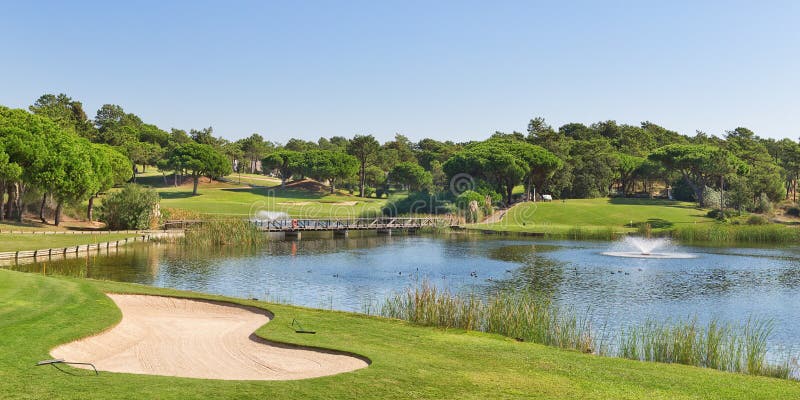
254 179
620 214
38 313
233 200
601 218
27 241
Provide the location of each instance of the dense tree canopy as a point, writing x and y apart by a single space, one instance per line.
285 162
364 148
328 165
55 154
699 165
412 176
198 160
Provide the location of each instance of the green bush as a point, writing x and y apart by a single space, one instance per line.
463 200
719 214
757 220
417 203
134 207
764 205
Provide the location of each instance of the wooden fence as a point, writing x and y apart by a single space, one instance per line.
62 252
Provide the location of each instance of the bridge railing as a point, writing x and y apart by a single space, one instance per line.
332 224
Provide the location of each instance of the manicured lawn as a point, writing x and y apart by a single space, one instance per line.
15 242
234 200
617 214
254 179
38 313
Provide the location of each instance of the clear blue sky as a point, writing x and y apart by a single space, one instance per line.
447 70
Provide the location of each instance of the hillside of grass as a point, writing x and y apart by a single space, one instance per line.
37 313
255 193
618 214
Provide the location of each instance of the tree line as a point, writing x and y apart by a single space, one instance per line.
738 169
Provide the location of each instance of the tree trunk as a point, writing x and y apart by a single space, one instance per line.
41 208
333 185
698 192
7 211
144 168
3 200
196 179
18 207
58 214
90 209
175 176
362 179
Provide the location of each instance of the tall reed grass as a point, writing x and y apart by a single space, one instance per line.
584 233
717 345
221 232
514 314
722 233
531 318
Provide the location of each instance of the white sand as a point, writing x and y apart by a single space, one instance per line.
198 339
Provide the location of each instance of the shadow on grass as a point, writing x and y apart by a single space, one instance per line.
651 202
655 223
177 195
295 194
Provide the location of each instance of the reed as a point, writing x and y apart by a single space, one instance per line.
717 345
723 233
584 233
518 315
222 232
531 318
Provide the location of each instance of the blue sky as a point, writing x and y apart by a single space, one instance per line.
447 70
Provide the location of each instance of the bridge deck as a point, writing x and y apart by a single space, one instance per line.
291 225
301 225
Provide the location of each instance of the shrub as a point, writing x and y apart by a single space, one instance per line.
463 200
719 214
764 205
134 207
793 211
417 203
757 220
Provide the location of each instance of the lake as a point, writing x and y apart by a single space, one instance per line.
357 273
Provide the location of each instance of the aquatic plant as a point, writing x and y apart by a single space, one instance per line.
533 318
519 315
723 233
219 232
717 345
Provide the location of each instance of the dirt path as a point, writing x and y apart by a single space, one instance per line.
198 339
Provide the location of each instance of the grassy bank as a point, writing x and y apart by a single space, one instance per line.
27 241
608 219
38 313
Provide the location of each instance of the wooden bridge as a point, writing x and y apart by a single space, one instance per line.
337 225
356 224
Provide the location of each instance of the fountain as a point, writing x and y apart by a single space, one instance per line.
270 216
639 247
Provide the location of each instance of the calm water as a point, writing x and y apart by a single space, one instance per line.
350 274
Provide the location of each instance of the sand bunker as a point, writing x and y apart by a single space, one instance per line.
198 339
